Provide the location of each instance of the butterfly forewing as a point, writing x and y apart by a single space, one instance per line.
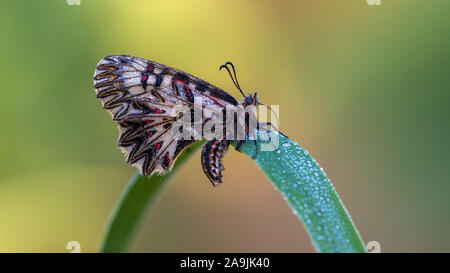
140 96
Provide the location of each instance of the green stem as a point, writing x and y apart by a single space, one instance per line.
310 194
290 168
140 194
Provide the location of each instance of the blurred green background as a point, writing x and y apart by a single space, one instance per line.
364 88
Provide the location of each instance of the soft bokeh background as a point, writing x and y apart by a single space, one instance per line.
364 88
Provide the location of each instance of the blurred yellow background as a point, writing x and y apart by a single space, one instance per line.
364 88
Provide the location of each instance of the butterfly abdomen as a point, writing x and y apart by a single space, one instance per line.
211 158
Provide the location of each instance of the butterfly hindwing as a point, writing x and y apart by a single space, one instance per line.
148 144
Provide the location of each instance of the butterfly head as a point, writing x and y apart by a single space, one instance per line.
250 99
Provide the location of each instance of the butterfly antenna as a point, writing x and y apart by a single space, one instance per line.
234 79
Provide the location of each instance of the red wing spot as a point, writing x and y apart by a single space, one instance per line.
144 80
150 134
156 110
158 146
149 68
215 102
148 121
166 160
189 94
178 80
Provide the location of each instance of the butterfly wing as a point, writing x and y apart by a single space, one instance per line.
149 146
140 96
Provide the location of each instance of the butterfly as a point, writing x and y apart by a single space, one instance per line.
140 95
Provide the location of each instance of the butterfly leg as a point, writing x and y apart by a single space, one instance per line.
239 145
273 126
256 149
265 124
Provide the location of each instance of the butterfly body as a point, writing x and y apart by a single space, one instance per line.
140 95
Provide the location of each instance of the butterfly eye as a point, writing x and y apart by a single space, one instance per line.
249 100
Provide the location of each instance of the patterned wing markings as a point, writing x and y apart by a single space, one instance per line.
140 95
149 146
116 80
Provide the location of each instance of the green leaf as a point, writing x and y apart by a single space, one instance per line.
310 194
140 194
291 169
